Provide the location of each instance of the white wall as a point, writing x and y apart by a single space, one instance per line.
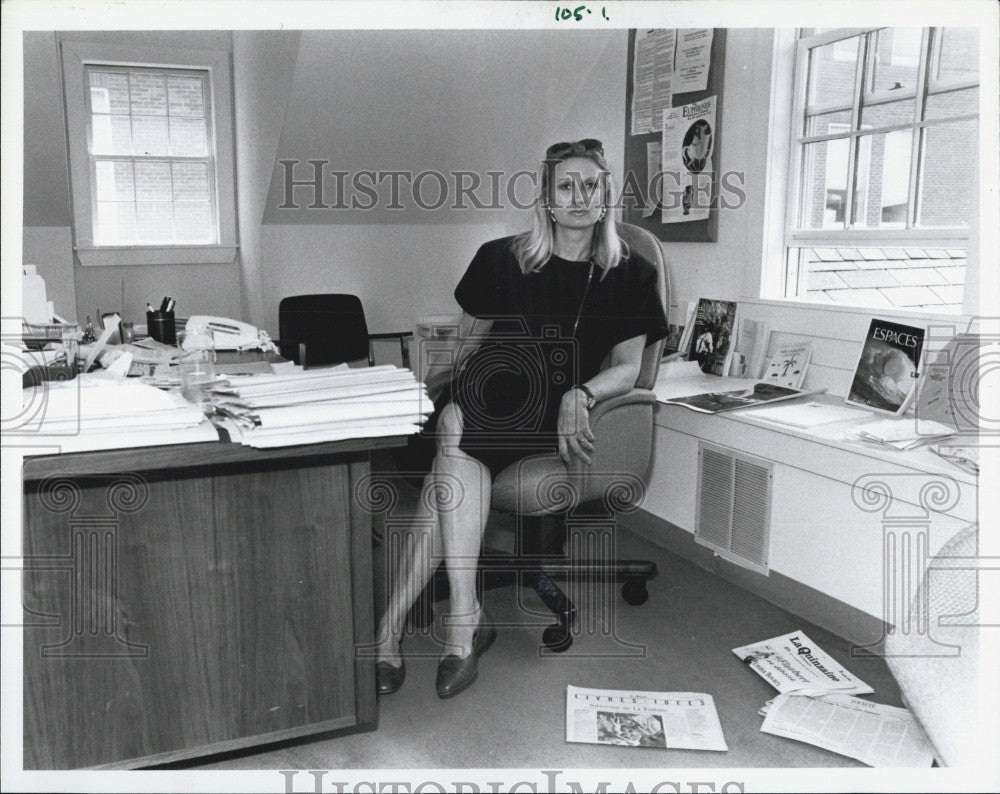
425 100
263 66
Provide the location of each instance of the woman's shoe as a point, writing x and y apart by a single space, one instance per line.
456 674
388 678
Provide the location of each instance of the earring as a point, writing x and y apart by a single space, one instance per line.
604 211
552 215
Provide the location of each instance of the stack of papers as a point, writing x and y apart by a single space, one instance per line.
901 433
300 406
91 412
817 705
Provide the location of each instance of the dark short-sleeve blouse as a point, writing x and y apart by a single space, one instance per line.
551 330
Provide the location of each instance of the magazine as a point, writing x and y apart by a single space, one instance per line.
716 402
749 348
788 365
886 376
668 720
794 663
712 335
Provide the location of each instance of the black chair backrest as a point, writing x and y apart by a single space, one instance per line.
332 327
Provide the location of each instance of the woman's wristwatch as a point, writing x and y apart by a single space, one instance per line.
591 399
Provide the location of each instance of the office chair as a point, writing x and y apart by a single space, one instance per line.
537 489
321 330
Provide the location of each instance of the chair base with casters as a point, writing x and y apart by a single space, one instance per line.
538 561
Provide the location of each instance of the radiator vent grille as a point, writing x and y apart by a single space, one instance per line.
734 506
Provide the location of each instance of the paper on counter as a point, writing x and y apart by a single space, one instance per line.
877 735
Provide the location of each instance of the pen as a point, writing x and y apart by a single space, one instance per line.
163 305
149 308
170 305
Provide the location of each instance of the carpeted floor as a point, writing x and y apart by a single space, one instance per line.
514 715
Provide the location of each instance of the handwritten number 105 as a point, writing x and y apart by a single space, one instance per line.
577 13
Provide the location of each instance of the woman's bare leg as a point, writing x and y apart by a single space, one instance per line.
462 520
411 559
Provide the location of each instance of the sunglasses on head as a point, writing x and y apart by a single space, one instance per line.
565 149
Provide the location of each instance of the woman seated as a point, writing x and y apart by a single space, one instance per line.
542 312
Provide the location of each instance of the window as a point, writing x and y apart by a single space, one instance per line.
883 167
150 155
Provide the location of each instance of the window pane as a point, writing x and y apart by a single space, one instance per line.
192 222
190 181
824 185
152 181
188 137
897 55
111 135
149 94
149 135
108 92
959 54
114 181
882 180
950 159
186 97
154 220
952 103
829 123
887 114
115 223
886 277
831 72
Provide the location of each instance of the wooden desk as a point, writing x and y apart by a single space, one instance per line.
185 600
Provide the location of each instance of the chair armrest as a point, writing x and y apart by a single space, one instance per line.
634 397
404 350
623 437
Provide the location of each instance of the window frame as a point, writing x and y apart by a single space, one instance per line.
76 56
794 237
780 281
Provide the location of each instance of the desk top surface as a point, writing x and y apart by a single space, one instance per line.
189 456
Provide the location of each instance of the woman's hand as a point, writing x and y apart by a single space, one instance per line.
575 436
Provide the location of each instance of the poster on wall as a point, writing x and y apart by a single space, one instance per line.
653 73
686 153
693 58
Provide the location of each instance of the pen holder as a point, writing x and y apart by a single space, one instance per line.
161 326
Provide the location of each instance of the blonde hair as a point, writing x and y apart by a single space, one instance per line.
533 248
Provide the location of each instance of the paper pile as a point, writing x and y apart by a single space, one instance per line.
817 705
307 406
901 433
93 412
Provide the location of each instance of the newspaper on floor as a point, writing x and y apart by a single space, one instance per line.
794 663
669 720
877 735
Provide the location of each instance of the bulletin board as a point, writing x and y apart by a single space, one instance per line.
636 155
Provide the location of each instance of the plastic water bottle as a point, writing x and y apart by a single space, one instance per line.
197 370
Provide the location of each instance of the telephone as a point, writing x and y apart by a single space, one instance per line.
226 334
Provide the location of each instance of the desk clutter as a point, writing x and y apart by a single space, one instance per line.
83 391
298 406
95 411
